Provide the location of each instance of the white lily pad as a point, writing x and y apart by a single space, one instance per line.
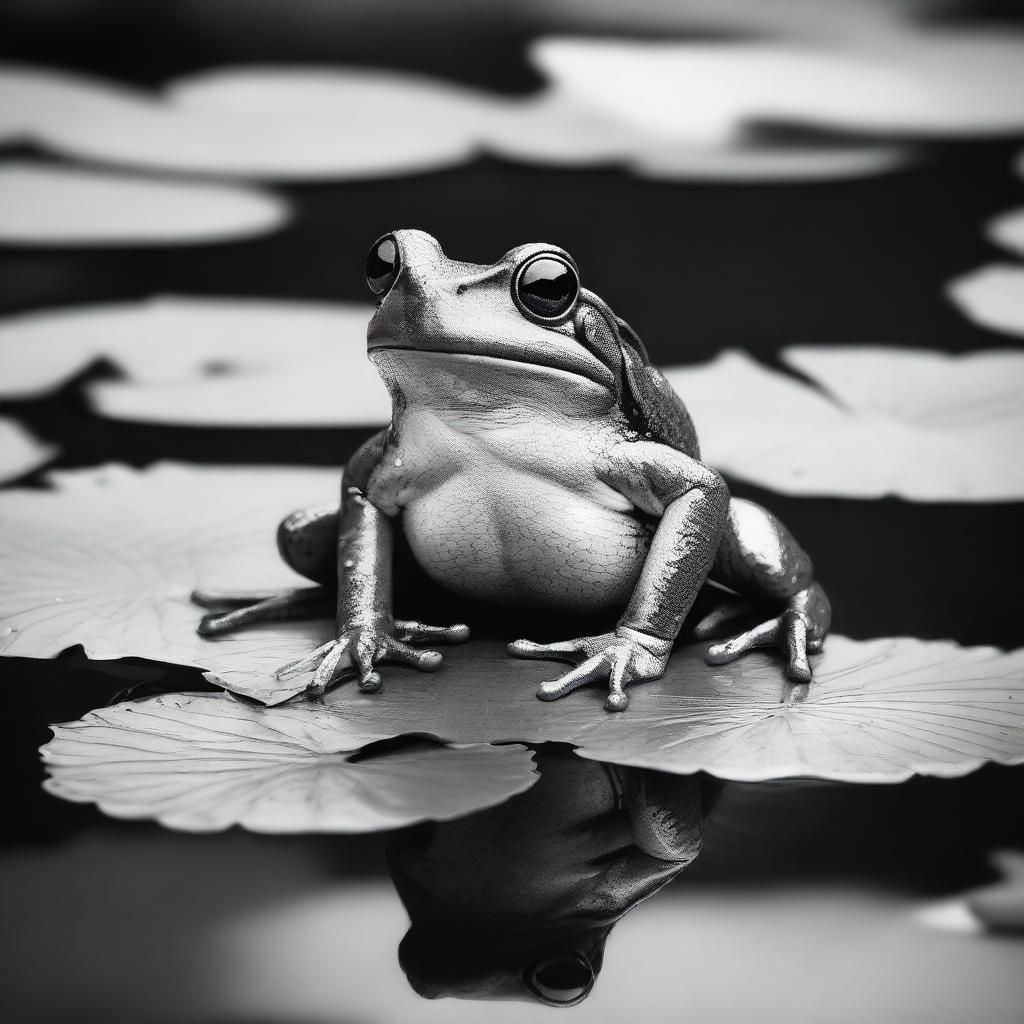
20 450
1008 230
205 762
899 81
253 133
194 360
992 297
925 426
877 711
45 205
107 559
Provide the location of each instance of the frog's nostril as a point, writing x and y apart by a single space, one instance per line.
382 265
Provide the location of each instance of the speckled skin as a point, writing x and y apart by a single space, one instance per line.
542 463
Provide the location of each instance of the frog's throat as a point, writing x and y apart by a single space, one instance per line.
437 378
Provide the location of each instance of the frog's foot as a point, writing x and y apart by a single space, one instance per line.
623 657
366 647
798 631
231 611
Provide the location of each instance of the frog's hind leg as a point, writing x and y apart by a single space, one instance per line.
780 603
308 543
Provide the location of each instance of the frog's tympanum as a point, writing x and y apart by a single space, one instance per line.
516 902
534 457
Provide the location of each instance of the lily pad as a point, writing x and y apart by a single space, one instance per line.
199 360
992 297
205 762
910 82
45 205
83 117
20 451
108 557
925 426
877 711
1008 230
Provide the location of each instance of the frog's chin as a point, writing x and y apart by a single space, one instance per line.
397 361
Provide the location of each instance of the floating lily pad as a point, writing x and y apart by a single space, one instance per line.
899 82
199 360
84 117
925 426
204 762
1008 230
877 711
45 205
992 297
20 451
108 558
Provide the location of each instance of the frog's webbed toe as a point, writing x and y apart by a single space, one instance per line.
622 658
360 649
797 631
231 611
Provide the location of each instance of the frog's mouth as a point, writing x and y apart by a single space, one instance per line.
508 356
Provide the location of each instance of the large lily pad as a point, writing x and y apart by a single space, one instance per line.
199 360
1008 230
45 205
877 711
108 558
204 762
910 82
80 116
926 426
992 296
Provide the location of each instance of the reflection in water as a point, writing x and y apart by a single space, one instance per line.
516 902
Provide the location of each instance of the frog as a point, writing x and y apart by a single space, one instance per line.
517 902
535 457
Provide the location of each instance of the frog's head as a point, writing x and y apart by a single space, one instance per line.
525 318
520 309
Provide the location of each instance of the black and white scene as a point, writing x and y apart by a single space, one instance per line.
512 508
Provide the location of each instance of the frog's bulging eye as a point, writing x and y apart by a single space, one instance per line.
546 286
561 979
382 265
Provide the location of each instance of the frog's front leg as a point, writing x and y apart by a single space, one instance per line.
780 602
367 632
691 501
307 540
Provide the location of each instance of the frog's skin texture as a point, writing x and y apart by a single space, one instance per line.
542 879
535 460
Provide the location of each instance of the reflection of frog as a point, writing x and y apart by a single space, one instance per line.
517 901
534 457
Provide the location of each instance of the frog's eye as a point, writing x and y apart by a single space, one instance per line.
382 265
546 286
561 979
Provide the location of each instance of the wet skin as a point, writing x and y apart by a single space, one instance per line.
534 457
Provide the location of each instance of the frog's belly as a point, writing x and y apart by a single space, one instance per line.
532 543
